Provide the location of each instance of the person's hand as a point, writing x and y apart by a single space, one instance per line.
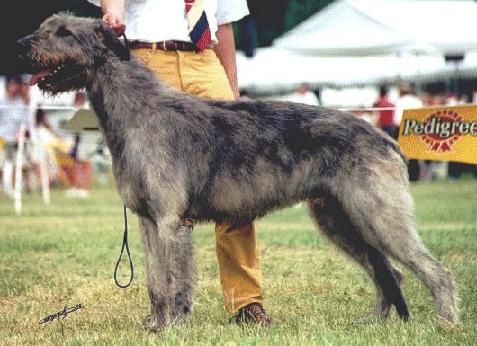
115 20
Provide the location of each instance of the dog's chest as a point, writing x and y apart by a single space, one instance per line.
130 187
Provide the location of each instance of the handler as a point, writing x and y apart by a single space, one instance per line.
191 46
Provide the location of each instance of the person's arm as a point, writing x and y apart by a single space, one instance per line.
113 11
225 50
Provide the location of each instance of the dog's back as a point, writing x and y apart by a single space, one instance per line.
264 155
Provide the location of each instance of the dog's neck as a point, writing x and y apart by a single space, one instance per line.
118 93
120 86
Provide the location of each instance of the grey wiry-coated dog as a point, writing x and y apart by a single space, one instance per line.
177 156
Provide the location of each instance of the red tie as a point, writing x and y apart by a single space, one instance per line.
198 25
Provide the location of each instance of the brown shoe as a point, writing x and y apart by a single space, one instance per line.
253 313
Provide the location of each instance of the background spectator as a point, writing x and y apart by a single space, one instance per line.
407 100
13 114
385 117
304 94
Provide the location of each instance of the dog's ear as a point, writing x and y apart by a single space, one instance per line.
111 41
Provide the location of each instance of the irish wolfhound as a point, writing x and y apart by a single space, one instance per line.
177 156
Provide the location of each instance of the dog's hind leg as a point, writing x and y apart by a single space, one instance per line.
399 239
383 209
169 270
435 276
335 224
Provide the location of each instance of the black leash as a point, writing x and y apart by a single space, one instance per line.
125 245
126 41
125 237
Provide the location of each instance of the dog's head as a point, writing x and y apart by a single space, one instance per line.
63 53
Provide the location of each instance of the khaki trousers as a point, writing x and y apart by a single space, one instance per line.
203 75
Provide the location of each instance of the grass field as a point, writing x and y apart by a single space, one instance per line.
65 255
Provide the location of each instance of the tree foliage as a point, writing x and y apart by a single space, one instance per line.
299 10
274 17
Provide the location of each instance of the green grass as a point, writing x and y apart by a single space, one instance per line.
65 254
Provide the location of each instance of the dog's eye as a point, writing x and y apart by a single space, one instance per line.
62 31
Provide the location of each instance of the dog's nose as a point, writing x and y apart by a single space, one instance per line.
23 44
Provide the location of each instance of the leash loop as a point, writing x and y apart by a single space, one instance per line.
124 246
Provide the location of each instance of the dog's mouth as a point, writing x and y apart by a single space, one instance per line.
63 76
39 76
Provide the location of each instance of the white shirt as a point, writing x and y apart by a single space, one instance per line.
408 101
13 114
162 20
308 98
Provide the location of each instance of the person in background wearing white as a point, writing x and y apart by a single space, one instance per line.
13 113
303 94
407 100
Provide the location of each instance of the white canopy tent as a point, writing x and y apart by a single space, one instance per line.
275 69
380 27
363 42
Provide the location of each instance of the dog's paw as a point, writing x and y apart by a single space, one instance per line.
151 324
448 319
182 305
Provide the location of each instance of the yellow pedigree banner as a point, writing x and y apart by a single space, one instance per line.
440 133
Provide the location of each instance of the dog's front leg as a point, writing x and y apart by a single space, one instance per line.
184 271
167 244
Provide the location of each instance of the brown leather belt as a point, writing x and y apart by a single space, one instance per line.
163 45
